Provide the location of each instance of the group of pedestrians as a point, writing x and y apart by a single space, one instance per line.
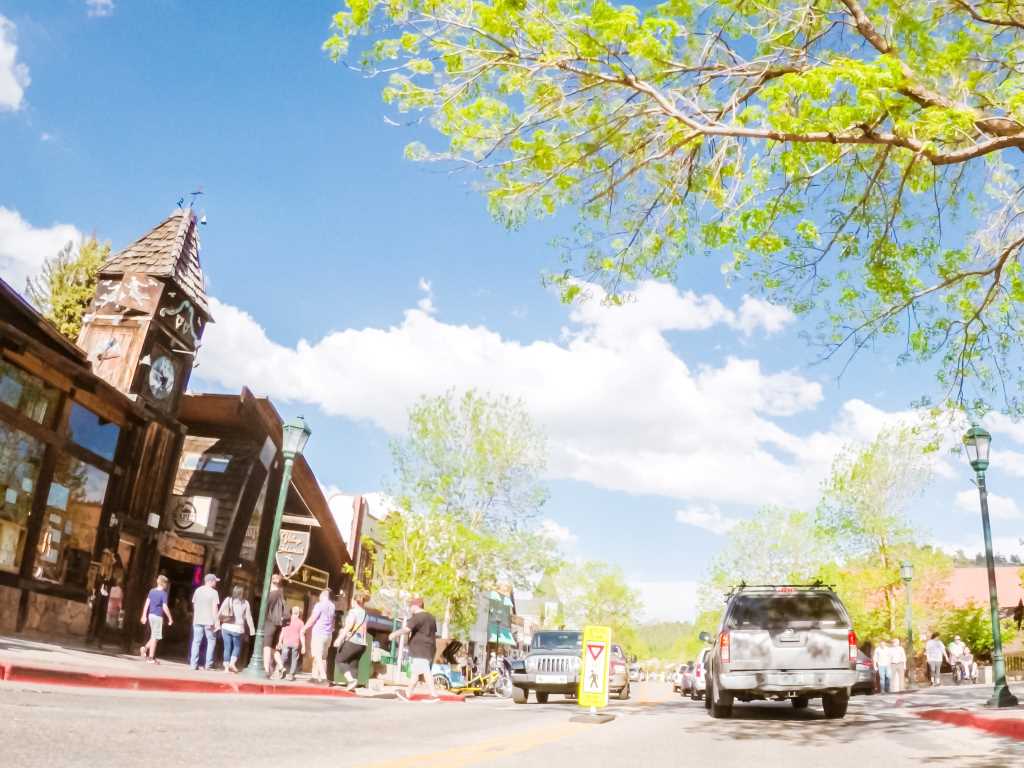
284 638
890 662
957 655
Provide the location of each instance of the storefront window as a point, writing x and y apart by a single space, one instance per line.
68 534
20 457
92 432
24 392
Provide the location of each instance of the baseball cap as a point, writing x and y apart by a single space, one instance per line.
211 577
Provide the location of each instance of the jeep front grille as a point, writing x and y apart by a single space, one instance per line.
558 664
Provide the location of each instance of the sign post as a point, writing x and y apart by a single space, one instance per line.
594 661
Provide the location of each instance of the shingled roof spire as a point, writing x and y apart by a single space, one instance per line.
168 250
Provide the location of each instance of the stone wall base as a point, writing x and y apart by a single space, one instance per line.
48 615
9 598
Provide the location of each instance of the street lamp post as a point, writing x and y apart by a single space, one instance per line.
907 574
295 435
977 441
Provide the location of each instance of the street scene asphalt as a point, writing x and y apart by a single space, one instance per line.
50 727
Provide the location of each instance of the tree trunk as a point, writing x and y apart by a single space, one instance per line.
447 617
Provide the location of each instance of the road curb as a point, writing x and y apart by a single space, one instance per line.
17 673
1012 728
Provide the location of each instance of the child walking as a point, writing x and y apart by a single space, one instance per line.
291 644
153 612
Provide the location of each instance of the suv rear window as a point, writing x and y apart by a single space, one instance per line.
794 610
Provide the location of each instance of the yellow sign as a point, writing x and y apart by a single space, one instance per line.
597 647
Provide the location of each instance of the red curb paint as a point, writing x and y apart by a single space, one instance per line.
442 697
44 676
1012 728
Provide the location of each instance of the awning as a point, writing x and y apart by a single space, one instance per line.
503 635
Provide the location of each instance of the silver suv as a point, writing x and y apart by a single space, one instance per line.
552 666
782 642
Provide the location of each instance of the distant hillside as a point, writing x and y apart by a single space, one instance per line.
665 640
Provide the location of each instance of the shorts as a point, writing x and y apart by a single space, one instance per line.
156 627
318 645
418 667
271 633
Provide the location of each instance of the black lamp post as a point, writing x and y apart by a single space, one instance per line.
907 575
977 441
295 435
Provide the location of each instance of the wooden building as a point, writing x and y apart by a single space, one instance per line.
95 489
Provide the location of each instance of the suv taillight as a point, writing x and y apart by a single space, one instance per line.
723 641
852 640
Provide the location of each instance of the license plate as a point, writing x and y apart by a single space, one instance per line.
789 679
553 679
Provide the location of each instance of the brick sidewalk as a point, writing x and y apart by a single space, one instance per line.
1006 722
24 660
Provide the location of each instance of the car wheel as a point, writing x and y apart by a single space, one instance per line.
624 693
542 697
520 695
835 705
721 703
799 702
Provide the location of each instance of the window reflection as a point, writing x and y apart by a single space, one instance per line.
92 432
68 534
20 457
25 393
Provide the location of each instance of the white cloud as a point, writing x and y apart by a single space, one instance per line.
44 136
426 304
1011 462
999 507
24 247
14 77
622 410
99 8
560 534
975 544
709 517
667 600
757 313
1001 425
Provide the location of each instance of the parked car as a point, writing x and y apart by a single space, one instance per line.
699 675
677 678
784 643
618 677
865 675
687 684
635 673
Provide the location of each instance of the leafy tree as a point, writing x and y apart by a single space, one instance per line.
775 546
863 505
825 149
468 471
974 625
67 283
595 592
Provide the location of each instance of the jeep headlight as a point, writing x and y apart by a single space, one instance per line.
531 664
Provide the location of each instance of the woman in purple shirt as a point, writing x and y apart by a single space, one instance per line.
322 622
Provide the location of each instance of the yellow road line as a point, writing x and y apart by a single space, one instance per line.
483 751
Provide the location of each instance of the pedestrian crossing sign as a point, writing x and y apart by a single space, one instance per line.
597 647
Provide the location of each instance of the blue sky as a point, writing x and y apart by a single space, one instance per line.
348 280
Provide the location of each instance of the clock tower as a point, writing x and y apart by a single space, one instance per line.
143 328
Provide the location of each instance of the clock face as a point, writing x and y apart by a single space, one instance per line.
161 377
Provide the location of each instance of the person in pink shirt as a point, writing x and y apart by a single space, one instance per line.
291 644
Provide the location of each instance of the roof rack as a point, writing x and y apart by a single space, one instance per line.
744 587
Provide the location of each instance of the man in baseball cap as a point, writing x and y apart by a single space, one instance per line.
205 606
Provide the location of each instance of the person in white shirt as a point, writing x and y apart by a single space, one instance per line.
935 652
898 662
883 663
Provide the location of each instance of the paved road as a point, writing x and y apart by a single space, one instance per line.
50 727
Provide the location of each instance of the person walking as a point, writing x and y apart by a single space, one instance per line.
205 604
272 624
321 620
290 644
351 642
235 618
421 629
153 612
898 662
935 653
883 663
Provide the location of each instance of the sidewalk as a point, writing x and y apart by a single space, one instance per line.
954 710
24 660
